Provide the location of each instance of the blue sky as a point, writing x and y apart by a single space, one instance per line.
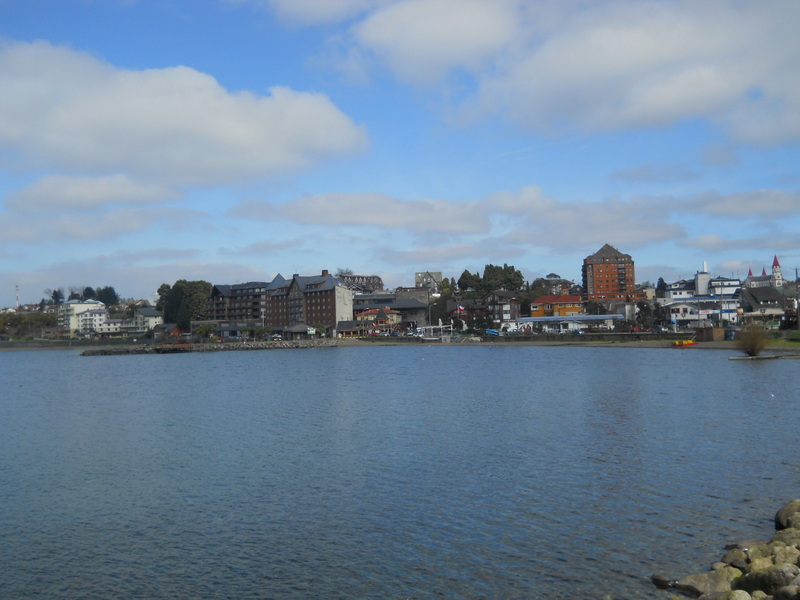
145 141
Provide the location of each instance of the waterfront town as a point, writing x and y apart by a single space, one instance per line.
348 305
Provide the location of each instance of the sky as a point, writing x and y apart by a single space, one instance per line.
146 141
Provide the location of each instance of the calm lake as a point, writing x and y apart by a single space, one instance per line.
490 472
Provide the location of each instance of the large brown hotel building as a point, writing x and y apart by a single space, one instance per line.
608 275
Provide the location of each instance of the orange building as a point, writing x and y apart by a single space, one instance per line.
608 274
556 306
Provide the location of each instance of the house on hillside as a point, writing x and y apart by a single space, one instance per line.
763 306
557 306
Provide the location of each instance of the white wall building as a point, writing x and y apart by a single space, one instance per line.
703 300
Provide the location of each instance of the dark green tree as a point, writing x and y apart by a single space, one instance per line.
88 292
468 282
107 295
661 288
644 315
183 302
595 308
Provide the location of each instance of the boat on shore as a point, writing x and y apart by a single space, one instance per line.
683 343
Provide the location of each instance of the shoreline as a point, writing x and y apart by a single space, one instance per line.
750 569
780 349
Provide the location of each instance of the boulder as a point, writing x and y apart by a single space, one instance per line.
784 515
786 554
709 582
736 558
788 592
730 595
662 582
768 580
789 536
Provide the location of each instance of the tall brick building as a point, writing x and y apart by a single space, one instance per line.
608 274
283 304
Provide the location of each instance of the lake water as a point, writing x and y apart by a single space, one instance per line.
490 472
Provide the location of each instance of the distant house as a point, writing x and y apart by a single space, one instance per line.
763 305
503 308
499 309
410 303
557 306
145 318
380 320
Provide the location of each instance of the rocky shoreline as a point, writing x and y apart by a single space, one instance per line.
219 347
750 570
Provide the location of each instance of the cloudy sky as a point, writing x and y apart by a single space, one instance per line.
145 141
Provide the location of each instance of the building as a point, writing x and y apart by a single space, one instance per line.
361 283
295 306
79 316
308 300
411 303
774 279
608 274
702 301
240 301
503 308
560 305
765 306
429 279
380 320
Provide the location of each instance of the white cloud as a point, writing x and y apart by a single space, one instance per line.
601 66
312 12
771 242
653 173
376 210
442 254
632 64
66 192
758 203
23 228
66 110
422 39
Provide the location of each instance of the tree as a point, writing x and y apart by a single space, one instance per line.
661 288
107 295
183 302
56 296
644 315
468 281
204 331
88 292
595 308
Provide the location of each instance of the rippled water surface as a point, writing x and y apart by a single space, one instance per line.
386 472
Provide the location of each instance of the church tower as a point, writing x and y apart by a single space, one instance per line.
777 276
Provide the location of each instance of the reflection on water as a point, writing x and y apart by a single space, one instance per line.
395 472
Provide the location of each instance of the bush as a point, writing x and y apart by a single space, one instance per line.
752 340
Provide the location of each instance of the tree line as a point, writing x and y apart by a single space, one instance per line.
107 295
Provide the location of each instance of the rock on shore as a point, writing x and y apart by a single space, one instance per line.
751 570
219 347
